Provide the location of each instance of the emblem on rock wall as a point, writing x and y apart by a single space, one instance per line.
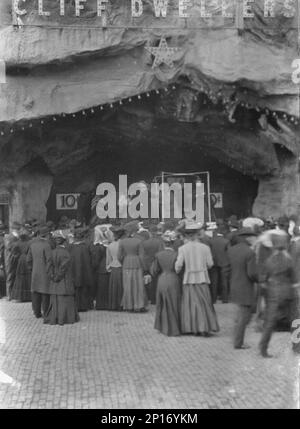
163 54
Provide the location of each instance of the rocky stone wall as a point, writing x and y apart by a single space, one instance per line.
58 67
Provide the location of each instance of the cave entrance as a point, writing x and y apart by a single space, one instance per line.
143 163
143 137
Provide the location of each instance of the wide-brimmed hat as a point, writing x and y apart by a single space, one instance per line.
251 222
80 232
169 236
192 226
59 234
132 226
23 232
246 232
43 230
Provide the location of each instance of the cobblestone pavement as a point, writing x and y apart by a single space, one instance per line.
117 360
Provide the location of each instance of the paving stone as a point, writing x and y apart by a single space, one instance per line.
117 360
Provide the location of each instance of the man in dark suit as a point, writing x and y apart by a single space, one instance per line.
243 276
221 269
39 261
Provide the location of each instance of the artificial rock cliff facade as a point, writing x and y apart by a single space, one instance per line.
76 90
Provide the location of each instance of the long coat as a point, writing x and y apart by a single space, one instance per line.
81 265
61 278
243 274
39 261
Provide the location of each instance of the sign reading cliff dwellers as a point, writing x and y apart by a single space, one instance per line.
133 12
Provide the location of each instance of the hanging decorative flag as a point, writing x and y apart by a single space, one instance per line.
162 53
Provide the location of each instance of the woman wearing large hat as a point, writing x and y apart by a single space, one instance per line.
197 312
130 255
167 316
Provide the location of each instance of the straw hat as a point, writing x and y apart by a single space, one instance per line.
43 230
59 234
169 236
191 226
246 232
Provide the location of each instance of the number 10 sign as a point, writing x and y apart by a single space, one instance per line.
67 201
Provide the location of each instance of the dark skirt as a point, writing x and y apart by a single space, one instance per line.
21 289
167 317
197 311
115 294
134 296
83 299
62 310
102 289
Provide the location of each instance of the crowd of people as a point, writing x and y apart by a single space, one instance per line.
182 267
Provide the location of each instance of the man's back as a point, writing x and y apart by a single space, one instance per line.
243 273
39 260
219 246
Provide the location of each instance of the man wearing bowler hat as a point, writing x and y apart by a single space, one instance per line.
243 276
39 261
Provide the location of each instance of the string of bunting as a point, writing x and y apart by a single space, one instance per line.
215 98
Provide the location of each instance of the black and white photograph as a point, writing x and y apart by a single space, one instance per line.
149 207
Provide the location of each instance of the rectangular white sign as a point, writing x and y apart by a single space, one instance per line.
67 201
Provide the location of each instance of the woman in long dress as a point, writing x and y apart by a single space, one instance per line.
62 309
114 266
81 267
130 255
21 290
167 316
102 238
197 311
